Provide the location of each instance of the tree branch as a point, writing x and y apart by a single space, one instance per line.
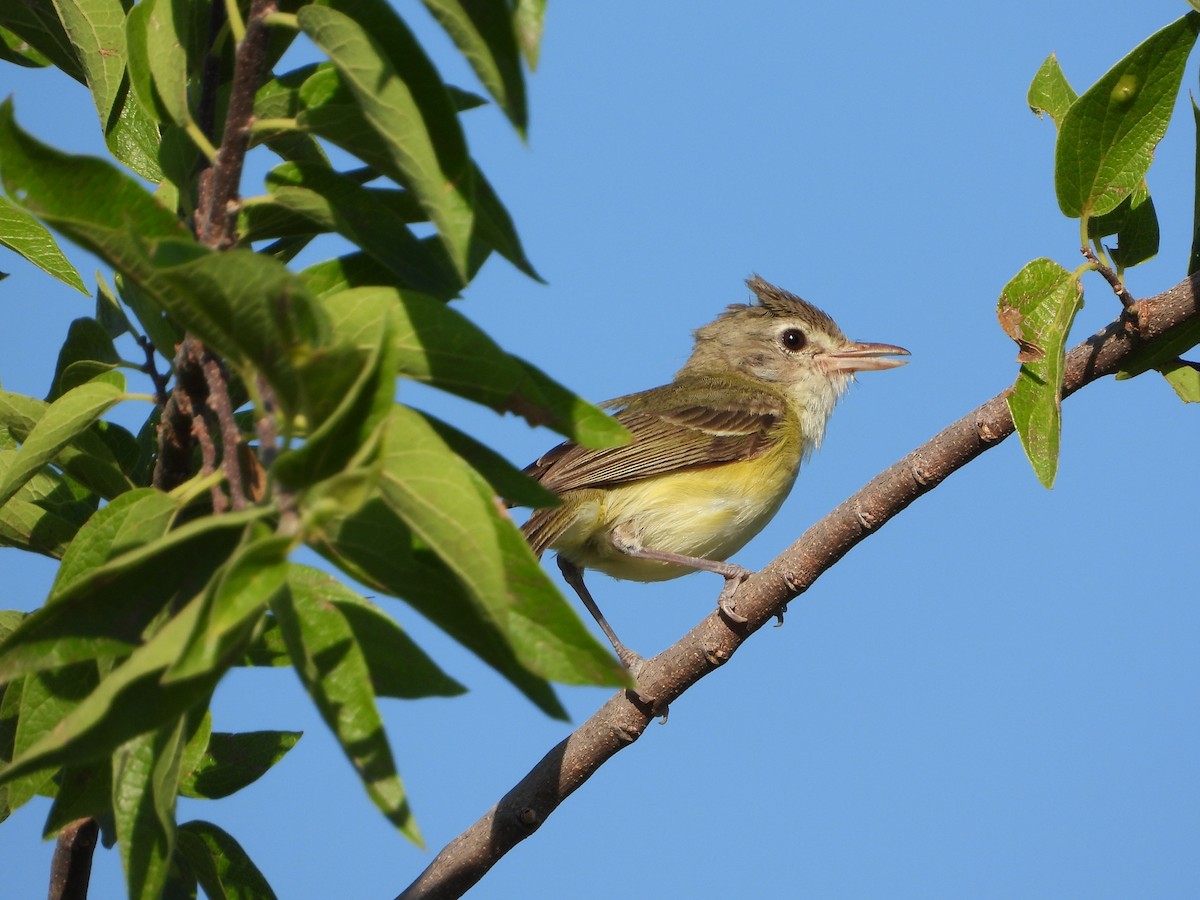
213 225
621 720
71 867
215 217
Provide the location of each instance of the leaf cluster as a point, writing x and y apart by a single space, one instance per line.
1105 144
285 378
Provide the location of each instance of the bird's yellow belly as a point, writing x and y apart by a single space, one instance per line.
710 513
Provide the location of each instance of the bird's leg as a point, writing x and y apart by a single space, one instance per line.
574 577
733 573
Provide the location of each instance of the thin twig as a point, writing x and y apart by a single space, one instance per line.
150 367
208 461
215 218
1114 281
713 641
264 426
231 436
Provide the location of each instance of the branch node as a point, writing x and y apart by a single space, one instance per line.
1114 280
918 473
985 432
624 734
529 818
868 520
716 655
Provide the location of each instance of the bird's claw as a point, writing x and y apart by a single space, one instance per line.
727 601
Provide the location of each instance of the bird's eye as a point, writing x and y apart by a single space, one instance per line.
793 339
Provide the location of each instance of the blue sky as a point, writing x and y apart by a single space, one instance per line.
994 696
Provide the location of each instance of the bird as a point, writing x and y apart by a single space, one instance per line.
711 457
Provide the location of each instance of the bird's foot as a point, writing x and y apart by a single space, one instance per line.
634 665
727 601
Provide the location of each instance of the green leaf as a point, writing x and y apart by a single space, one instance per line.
132 699
1036 310
78 191
348 389
331 666
164 334
237 596
529 22
145 779
1108 136
330 276
374 546
38 25
44 515
397 666
1161 351
84 792
10 709
1184 377
402 97
484 32
158 61
23 234
17 50
233 761
87 347
220 864
246 307
496 600
1050 92
441 347
1135 223
65 419
338 203
136 518
1194 256
331 111
506 480
46 697
267 647
35 528
88 458
541 400
103 608
97 33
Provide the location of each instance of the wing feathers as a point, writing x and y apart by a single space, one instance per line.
693 423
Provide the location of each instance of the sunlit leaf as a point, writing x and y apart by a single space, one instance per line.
23 234
64 420
230 762
97 32
1050 92
484 33
1108 136
145 779
1036 309
220 864
1135 223
402 97
111 593
331 665
87 348
88 458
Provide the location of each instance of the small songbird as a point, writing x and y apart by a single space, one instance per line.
713 454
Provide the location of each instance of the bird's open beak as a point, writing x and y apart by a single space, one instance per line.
858 357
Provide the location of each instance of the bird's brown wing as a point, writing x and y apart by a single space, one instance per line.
717 423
